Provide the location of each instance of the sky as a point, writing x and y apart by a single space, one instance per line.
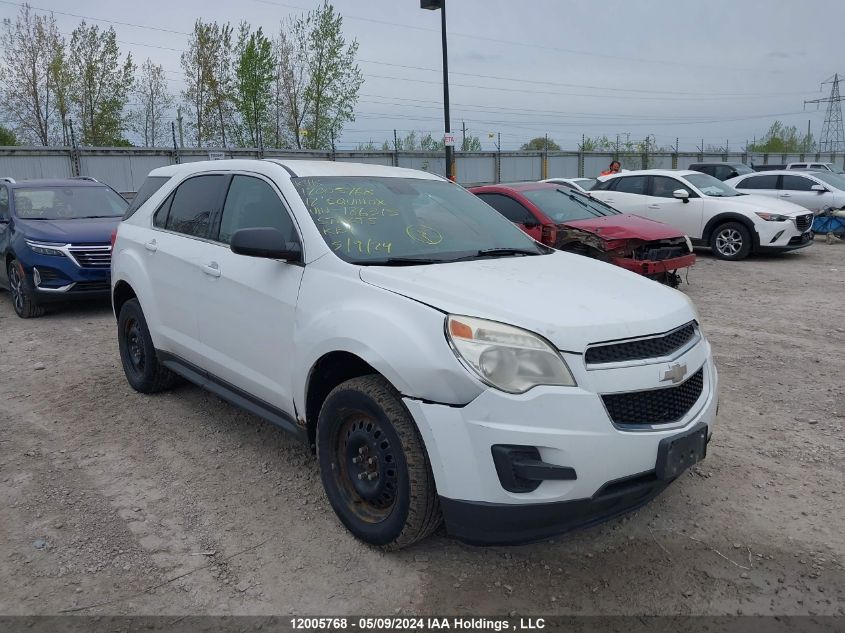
719 70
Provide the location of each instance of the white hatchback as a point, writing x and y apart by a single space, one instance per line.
441 363
710 211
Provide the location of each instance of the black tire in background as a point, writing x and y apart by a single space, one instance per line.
731 241
374 465
137 353
22 293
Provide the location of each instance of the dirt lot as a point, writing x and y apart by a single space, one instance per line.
179 503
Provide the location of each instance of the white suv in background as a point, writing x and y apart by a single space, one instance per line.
405 330
814 190
710 211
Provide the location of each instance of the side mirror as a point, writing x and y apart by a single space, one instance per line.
267 243
531 224
681 194
819 188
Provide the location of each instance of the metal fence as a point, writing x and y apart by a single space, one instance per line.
125 168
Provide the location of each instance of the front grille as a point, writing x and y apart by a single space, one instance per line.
652 347
657 406
91 286
92 256
803 222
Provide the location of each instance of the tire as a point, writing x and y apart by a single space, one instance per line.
731 241
141 365
374 465
22 293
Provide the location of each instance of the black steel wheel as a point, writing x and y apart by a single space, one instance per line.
137 353
374 466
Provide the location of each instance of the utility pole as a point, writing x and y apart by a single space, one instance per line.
395 141
74 152
833 132
807 138
463 136
616 155
179 123
176 157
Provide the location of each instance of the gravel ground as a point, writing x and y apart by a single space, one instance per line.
116 503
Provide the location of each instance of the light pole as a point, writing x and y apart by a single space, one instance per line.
433 5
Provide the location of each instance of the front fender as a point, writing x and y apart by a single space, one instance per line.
128 265
402 339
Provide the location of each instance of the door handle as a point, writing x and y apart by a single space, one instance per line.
151 246
654 206
786 195
211 269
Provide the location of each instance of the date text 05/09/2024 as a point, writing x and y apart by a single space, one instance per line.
418 623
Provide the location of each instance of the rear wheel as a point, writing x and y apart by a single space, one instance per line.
731 241
22 293
137 353
374 466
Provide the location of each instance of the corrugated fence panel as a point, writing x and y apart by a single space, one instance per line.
122 172
660 161
363 158
594 164
521 168
425 162
475 168
28 166
685 160
563 166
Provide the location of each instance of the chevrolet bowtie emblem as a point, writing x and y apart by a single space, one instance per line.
675 373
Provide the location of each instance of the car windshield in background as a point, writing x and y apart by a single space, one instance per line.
565 205
68 203
371 220
831 178
741 169
710 186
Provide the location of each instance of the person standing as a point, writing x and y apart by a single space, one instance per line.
615 168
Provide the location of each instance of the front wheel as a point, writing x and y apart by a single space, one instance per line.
23 296
731 241
374 466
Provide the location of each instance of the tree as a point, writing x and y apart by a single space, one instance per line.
198 68
7 137
61 79
154 100
30 44
471 144
334 77
781 139
292 73
255 73
541 143
101 83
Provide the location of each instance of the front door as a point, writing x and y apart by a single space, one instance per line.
247 305
799 190
663 206
516 212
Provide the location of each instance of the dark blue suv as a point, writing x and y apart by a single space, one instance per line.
55 240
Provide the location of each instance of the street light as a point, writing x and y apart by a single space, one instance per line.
433 5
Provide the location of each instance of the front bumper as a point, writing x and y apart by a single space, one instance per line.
570 427
655 267
780 236
57 279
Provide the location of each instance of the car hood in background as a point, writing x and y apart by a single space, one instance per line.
763 203
569 299
626 227
81 231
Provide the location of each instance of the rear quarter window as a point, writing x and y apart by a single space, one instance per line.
147 190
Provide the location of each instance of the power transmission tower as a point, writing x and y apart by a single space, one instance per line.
833 134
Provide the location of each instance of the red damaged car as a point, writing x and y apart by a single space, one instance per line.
575 222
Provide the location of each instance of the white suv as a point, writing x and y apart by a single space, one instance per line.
439 361
710 211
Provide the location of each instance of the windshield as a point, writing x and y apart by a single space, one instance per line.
585 183
372 220
68 203
742 169
565 205
712 187
831 178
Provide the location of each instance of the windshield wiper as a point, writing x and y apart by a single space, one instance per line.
401 261
498 252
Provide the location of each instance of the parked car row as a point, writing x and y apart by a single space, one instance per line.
444 366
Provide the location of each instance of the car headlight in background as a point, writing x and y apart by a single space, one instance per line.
689 243
772 217
46 248
506 357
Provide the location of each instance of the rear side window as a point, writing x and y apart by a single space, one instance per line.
252 203
150 186
759 182
797 183
194 203
508 207
631 184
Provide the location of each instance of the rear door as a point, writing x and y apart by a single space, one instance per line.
662 206
516 212
174 253
799 189
247 305
626 193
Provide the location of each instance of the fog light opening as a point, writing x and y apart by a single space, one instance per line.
776 237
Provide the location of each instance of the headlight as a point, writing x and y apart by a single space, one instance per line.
506 357
45 249
689 243
772 217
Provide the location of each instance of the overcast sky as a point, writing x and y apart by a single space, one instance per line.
717 69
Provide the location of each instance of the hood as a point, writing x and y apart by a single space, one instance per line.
765 203
81 231
569 299
626 227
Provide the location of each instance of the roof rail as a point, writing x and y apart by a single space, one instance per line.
8 179
91 178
